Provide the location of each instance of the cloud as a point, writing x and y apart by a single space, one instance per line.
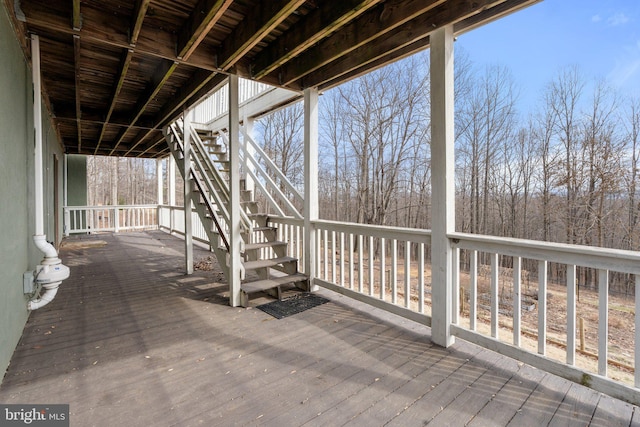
618 19
596 18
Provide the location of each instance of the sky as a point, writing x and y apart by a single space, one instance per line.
601 37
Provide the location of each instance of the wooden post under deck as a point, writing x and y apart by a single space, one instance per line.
310 181
235 239
188 237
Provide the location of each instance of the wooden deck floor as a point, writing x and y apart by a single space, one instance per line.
132 341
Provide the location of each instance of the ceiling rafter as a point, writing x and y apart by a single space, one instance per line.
160 77
258 23
371 25
139 13
308 31
124 68
76 59
204 17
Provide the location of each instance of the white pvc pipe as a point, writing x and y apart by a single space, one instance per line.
37 122
51 289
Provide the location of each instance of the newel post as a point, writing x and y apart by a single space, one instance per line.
311 211
443 197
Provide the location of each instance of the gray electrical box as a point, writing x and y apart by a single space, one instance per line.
28 283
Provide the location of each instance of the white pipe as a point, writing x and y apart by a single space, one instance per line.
51 271
51 289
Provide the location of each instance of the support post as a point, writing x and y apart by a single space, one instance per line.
311 213
188 236
443 197
171 178
160 181
235 238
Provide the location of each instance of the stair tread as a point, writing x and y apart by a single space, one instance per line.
264 228
261 245
263 263
264 284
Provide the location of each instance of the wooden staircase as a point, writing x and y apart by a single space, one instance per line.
266 267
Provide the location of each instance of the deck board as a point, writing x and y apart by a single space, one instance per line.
131 340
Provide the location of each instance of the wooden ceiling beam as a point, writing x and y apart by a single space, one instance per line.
204 17
256 25
392 46
124 68
488 15
371 25
76 59
311 28
139 13
160 77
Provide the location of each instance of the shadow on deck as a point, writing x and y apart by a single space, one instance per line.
130 340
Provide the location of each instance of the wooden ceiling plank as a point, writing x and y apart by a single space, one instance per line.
308 31
124 68
259 22
204 17
139 13
76 56
371 25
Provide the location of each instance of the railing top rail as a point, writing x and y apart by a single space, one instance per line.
588 256
147 206
384 231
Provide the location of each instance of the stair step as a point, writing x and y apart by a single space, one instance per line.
254 246
260 229
267 263
265 284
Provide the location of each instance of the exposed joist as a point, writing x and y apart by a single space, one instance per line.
99 31
371 25
204 17
392 47
139 13
312 28
76 58
198 86
95 121
76 20
259 22
488 15
124 68
160 77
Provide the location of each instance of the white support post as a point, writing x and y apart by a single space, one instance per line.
235 238
443 197
65 197
311 211
171 178
160 181
188 226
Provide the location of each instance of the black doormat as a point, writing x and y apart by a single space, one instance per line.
292 305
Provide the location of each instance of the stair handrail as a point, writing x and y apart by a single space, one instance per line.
270 164
207 201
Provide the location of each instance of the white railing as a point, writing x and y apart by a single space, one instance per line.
171 220
217 104
508 294
90 219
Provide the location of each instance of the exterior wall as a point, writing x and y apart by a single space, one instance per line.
17 252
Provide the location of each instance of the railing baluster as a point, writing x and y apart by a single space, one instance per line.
360 264
351 281
517 308
325 245
394 271
542 307
371 265
383 268
494 296
342 259
333 256
421 278
603 320
571 314
473 289
455 292
637 333
407 274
